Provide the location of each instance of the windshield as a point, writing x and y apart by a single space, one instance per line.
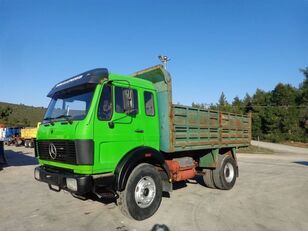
70 105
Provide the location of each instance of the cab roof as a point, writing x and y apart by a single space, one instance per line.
98 75
94 76
132 80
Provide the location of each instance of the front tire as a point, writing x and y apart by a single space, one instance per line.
143 193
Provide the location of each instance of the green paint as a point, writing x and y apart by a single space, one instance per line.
161 80
111 144
209 160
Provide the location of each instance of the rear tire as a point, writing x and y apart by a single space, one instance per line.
208 178
18 143
31 144
142 194
26 143
224 175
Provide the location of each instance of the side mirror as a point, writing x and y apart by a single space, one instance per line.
128 104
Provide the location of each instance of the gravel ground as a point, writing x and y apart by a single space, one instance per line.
270 194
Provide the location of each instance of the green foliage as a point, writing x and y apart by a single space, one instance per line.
277 115
198 105
222 102
5 112
20 115
303 89
284 95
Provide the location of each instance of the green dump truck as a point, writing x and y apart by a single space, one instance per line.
121 136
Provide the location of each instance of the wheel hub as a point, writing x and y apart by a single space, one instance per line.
145 192
229 172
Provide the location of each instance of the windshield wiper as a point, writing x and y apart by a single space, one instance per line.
49 119
67 117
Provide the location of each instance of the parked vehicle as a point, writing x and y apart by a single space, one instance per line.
9 135
27 137
121 136
19 136
1 133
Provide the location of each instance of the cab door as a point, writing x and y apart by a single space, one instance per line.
150 119
116 131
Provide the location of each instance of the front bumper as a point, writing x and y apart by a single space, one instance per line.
79 184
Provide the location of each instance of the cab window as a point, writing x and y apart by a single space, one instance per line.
105 104
149 103
119 100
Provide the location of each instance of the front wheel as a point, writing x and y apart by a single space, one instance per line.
143 193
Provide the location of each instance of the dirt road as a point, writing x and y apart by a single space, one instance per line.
281 148
270 194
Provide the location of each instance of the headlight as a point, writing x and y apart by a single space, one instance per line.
36 174
71 184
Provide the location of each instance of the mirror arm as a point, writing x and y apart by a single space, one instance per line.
111 124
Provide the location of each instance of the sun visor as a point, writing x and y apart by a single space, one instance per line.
94 76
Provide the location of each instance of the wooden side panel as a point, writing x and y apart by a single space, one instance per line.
204 129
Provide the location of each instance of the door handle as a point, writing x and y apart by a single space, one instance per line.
139 131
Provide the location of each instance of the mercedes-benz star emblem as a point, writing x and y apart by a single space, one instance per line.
52 151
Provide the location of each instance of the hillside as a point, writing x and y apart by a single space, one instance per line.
22 115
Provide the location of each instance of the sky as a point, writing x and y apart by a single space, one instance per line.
215 46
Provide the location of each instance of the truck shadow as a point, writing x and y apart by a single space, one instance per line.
179 185
183 184
301 162
93 197
18 158
110 200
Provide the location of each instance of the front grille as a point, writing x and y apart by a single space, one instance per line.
66 151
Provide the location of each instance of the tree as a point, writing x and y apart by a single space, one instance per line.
303 117
223 104
237 105
261 98
305 72
5 113
277 115
303 95
284 95
303 102
247 101
199 105
222 100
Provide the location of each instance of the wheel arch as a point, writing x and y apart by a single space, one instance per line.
137 156
232 153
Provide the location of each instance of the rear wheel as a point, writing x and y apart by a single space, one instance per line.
224 175
208 178
31 144
143 192
18 142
